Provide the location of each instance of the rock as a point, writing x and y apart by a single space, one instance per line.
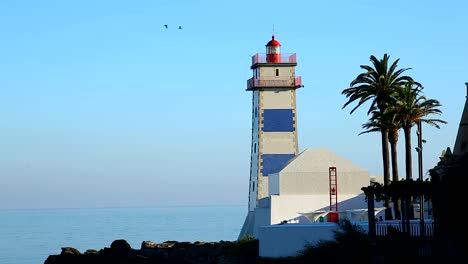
182 245
52 259
148 245
169 252
167 244
120 248
91 252
120 245
70 251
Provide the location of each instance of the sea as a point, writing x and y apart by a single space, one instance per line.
30 236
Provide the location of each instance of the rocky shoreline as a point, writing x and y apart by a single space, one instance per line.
226 252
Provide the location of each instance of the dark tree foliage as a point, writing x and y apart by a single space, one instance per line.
350 243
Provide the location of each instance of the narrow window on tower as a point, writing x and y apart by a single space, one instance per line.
253 186
277 72
255 147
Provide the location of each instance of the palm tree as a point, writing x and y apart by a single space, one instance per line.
412 106
386 120
394 125
378 83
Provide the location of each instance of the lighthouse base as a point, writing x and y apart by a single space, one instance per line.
247 227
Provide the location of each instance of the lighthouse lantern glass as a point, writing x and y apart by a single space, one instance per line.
273 50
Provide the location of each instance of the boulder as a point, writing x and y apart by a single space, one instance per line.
120 248
91 252
148 245
69 251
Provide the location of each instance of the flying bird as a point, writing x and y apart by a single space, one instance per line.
180 27
165 26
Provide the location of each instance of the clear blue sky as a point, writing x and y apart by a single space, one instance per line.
101 105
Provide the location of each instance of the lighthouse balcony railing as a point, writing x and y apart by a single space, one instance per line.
285 58
290 82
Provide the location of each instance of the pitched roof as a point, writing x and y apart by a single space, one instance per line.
319 160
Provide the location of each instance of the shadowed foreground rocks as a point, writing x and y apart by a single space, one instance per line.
167 252
244 252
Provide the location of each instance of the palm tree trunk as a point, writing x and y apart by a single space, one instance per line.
408 157
409 169
386 171
393 139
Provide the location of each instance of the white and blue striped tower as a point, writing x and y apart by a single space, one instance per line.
274 121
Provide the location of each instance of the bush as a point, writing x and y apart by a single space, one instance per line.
350 243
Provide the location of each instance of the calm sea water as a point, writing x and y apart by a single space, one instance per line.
30 236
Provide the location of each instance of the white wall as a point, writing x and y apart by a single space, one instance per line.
318 182
286 207
253 191
269 73
308 173
289 239
277 99
278 143
261 218
274 184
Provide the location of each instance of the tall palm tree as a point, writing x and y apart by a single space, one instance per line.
386 120
377 84
412 106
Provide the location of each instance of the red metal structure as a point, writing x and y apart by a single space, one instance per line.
333 182
273 50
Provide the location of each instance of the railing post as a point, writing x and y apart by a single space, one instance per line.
403 215
370 214
420 177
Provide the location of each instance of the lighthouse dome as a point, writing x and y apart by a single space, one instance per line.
273 42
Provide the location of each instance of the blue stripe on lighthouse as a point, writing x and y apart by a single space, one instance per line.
273 163
278 120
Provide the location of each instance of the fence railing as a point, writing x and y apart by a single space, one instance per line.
382 228
285 58
290 82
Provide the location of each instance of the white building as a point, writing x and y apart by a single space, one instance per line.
286 186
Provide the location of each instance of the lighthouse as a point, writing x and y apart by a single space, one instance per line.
274 119
287 187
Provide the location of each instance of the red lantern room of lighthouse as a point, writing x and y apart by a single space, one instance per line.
273 50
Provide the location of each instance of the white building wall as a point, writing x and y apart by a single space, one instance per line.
262 182
288 240
352 181
262 218
318 182
274 184
274 142
253 182
277 99
269 73
278 142
308 173
287 207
